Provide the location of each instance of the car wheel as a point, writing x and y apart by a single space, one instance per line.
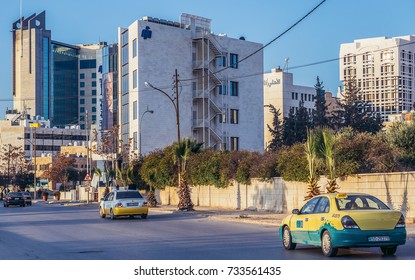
326 245
112 216
389 250
144 216
287 240
102 213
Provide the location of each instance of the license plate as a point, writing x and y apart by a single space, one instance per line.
378 238
132 204
16 198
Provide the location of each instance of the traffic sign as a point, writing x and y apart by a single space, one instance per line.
87 177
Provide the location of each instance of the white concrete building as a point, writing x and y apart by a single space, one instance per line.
90 75
384 71
280 91
220 98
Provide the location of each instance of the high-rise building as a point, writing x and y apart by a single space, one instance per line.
220 92
281 92
109 86
31 63
383 69
54 80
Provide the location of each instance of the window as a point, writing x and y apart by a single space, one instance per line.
94 109
233 88
134 47
93 75
82 92
88 64
94 84
221 61
323 206
222 118
222 89
82 109
82 76
234 143
309 206
94 101
233 63
82 84
135 141
135 110
94 92
135 79
81 101
234 116
292 95
94 117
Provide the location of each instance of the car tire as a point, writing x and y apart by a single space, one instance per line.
287 241
112 216
327 246
144 216
388 250
102 213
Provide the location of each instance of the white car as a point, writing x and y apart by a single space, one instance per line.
123 203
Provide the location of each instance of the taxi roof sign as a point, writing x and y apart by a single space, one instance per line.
341 195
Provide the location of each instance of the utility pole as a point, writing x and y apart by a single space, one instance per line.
87 155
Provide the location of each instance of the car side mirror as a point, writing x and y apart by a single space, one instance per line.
296 211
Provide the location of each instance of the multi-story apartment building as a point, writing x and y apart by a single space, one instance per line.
20 132
220 94
281 92
109 87
383 69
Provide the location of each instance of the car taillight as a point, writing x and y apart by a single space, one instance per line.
9 198
401 222
119 204
24 198
348 222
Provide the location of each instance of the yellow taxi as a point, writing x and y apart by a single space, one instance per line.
123 203
344 220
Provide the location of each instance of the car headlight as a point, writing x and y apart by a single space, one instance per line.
348 222
118 205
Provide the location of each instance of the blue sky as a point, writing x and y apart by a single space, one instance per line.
317 38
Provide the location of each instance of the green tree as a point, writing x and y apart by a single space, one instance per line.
356 113
401 135
328 150
319 117
183 150
276 129
311 151
292 163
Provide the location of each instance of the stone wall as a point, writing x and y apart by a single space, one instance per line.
397 190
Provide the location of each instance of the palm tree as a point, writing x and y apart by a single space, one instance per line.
311 153
328 151
183 150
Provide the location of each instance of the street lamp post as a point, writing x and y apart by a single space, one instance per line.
139 128
175 102
34 126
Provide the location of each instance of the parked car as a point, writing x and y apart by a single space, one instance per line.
28 197
123 203
344 220
14 198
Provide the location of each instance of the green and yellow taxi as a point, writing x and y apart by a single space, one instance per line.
344 220
123 203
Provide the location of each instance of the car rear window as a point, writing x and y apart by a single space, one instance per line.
360 202
121 195
15 194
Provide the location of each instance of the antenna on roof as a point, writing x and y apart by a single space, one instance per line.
286 65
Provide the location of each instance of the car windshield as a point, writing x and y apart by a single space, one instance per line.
360 202
122 195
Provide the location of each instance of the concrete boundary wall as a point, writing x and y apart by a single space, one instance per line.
397 190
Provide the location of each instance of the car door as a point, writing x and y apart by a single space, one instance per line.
300 222
317 219
108 202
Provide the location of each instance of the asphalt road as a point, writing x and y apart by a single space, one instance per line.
57 232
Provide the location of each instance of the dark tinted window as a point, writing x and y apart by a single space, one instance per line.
88 64
133 194
309 206
15 194
323 206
